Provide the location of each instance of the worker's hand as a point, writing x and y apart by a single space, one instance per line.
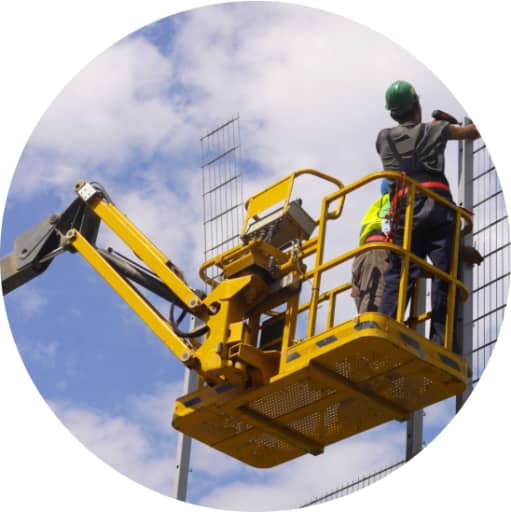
440 115
471 256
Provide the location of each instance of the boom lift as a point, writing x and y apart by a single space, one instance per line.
265 396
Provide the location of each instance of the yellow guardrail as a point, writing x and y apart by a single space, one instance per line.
316 246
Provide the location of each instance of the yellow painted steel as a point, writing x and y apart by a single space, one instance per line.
280 191
134 300
279 378
288 333
405 267
147 252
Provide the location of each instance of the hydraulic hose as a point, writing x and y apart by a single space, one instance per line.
196 333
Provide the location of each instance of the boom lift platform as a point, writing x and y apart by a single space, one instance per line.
264 396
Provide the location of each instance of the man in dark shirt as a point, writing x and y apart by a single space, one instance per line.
417 149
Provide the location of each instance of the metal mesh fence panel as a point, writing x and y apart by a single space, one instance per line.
222 190
490 280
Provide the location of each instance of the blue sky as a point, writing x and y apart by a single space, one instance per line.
132 120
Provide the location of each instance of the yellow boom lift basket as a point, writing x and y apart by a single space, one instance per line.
340 379
268 393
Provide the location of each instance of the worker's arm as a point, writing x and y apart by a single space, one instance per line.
466 132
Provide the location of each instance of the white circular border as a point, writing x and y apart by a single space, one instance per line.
43 45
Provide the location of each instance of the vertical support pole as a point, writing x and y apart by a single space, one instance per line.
414 424
184 443
454 271
466 197
414 439
184 446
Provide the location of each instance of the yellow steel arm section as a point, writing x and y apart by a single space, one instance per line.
144 310
142 247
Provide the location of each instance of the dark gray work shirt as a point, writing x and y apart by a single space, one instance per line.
429 149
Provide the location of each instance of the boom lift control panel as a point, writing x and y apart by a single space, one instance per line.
264 395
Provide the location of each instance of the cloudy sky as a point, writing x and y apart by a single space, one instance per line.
308 87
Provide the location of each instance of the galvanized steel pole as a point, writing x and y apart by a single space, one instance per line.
465 320
414 424
184 446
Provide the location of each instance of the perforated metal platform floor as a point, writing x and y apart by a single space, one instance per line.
356 376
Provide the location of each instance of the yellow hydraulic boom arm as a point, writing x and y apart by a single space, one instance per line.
267 393
257 272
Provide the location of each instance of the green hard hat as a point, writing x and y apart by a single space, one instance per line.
400 97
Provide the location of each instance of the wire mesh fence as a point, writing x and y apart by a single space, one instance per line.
222 190
490 279
356 485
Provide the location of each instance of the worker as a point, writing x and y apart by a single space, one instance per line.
417 149
369 266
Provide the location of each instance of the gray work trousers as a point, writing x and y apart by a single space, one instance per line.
367 279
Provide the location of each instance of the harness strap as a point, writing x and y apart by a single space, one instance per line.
375 238
396 207
435 184
428 184
392 146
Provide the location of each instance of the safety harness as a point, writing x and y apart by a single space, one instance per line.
413 168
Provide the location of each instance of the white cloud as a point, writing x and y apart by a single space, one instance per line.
440 414
120 443
116 103
155 409
298 481
116 109
306 95
39 173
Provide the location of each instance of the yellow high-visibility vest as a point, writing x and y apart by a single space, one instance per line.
373 218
